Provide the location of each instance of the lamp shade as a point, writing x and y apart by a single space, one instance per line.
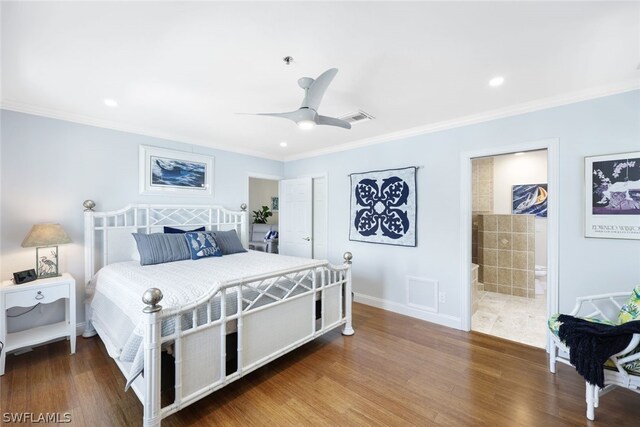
45 235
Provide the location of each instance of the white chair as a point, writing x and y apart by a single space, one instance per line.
257 241
622 369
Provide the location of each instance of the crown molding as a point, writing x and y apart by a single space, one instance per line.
106 124
514 110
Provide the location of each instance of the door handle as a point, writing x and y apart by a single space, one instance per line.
308 239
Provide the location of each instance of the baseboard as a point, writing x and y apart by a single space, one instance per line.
439 318
80 328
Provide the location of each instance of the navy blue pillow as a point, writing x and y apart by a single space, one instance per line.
229 242
157 248
202 244
171 230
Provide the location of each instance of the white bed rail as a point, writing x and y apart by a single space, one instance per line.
329 284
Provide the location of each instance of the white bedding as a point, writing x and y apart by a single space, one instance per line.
116 292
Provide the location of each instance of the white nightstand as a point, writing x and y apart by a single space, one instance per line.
42 291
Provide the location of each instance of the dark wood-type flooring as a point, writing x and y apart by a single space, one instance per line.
394 371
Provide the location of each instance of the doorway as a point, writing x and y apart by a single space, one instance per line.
308 217
509 245
264 219
499 288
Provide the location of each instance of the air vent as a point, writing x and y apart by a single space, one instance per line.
357 117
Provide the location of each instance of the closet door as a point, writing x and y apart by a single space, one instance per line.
296 217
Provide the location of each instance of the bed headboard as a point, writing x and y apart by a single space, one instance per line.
107 235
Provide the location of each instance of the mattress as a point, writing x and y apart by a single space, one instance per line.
115 295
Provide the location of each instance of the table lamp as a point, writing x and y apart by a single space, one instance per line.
46 238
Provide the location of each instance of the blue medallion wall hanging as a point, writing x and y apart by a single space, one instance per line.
383 207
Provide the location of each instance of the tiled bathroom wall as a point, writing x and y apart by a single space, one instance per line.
506 245
482 185
482 197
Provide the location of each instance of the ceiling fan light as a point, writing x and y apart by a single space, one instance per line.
306 124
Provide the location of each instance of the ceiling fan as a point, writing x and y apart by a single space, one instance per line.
307 117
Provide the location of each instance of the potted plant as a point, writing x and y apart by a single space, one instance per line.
261 216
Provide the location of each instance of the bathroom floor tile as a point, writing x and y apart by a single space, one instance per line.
510 317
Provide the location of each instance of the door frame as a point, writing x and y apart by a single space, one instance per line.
553 181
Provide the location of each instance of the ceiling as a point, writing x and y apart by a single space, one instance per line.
183 70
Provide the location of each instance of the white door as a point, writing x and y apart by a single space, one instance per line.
319 237
296 217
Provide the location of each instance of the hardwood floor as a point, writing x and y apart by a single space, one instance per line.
395 370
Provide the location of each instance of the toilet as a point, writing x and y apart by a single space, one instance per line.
541 271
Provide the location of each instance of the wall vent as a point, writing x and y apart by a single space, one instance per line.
422 293
357 117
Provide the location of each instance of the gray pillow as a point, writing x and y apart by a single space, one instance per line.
229 242
157 248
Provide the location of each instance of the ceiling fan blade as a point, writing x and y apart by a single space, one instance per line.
291 115
332 121
317 89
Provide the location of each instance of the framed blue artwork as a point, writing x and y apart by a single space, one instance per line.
529 199
383 207
175 172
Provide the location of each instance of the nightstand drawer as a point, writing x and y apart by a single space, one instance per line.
31 297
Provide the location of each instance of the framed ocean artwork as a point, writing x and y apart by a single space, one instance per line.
164 171
383 207
612 199
529 199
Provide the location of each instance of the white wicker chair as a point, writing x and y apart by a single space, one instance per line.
622 369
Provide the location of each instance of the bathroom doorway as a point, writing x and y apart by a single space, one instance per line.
509 246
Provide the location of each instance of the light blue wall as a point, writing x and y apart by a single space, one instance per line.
600 126
50 166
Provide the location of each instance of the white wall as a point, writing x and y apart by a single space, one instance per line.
260 193
587 266
528 168
50 166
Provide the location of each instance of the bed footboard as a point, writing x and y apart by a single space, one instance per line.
285 310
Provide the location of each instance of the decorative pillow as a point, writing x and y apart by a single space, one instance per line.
171 230
157 248
202 244
631 309
271 235
229 242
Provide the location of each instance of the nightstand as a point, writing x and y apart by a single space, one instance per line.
43 291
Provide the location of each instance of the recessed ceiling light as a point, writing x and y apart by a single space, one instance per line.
110 102
518 154
496 81
283 144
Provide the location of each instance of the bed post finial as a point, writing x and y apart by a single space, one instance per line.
89 205
151 298
347 257
243 207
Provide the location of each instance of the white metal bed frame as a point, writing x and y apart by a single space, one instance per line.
328 283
